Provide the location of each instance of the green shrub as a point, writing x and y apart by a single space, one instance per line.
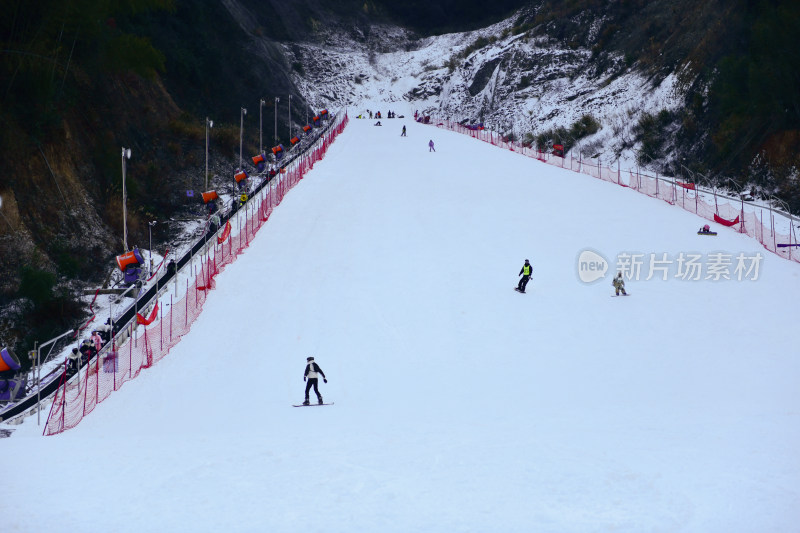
37 286
649 131
583 127
130 52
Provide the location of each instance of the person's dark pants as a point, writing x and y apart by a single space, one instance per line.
523 282
313 382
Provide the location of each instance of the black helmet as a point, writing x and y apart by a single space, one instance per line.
309 358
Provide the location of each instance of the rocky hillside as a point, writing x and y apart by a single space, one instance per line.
631 81
79 83
523 85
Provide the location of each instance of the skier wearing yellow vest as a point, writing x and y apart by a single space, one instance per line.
526 272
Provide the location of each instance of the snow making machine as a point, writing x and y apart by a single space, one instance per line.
12 382
130 264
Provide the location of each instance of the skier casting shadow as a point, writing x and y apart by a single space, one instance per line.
311 379
526 271
619 284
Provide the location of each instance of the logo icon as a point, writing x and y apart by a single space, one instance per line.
591 266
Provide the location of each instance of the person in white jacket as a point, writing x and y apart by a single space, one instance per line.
312 380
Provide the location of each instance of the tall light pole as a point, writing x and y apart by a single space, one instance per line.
209 125
260 118
276 119
150 230
290 116
126 154
241 130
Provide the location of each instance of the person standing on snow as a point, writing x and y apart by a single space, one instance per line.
404 132
619 284
310 377
97 340
526 272
74 361
430 146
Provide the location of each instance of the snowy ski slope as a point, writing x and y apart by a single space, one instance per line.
461 405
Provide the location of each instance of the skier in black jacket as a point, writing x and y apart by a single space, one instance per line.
310 377
526 272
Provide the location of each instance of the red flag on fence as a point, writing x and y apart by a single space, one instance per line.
225 233
689 186
149 320
719 220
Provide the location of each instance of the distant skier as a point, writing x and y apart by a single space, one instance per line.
310 376
404 132
619 284
430 146
705 230
526 272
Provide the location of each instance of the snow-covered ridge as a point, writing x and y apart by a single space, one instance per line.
514 83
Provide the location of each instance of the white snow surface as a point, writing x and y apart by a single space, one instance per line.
460 405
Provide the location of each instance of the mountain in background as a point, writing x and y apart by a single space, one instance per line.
713 87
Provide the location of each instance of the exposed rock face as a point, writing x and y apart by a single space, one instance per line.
514 83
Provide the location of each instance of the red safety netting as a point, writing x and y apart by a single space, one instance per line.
719 220
150 319
141 346
756 221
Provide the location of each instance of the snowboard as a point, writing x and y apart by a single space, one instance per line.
313 405
615 295
519 291
712 233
